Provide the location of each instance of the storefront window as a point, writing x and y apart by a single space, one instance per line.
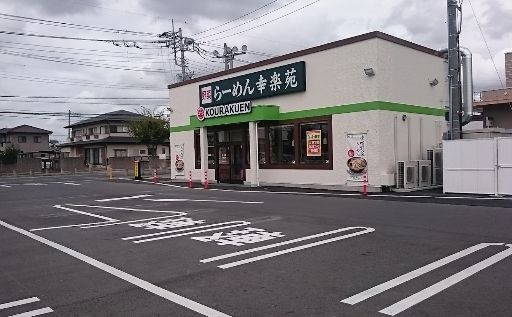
300 143
211 149
262 145
314 143
282 145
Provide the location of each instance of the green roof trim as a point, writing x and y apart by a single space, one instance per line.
271 112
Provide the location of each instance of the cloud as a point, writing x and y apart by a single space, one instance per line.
58 7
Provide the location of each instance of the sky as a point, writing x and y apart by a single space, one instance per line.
129 68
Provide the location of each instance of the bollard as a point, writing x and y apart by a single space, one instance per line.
365 187
189 179
30 172
155 176
205 184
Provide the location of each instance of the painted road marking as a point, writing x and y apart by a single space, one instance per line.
216 228
66 183
170 296
444 284
71 226
34 184
125 222
36 312
413 274
130 209
5 186
122 198
265 247
19 302
203 200
298 248
85 213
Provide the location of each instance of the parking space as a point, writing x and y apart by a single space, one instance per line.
143 250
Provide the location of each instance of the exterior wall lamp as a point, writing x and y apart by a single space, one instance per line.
433 82
369 72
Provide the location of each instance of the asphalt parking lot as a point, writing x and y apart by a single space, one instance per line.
84 246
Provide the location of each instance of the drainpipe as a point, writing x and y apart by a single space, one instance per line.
467 85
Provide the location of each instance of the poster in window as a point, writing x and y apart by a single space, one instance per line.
314 143
357 165
179 164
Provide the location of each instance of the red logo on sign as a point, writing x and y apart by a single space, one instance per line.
200 113
350 153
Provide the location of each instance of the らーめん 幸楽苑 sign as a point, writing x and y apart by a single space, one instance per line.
262 84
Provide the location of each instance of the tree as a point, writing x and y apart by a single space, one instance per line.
53 145
9 155
151 129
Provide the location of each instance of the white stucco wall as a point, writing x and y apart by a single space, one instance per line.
336 77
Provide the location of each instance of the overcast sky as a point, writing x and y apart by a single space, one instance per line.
38 66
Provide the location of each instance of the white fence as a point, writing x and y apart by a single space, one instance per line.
478 166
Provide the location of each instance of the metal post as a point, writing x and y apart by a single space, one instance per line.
182 58
226 57
454 71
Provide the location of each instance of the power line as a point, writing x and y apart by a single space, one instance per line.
249 21
273 20
236 19
85 98
66 82
70 25
57 60
78 103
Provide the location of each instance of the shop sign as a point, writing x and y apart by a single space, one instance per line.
262 84
179 163
357 166
314 143
223 110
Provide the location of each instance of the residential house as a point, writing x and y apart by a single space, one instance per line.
29 140
496 105
99 138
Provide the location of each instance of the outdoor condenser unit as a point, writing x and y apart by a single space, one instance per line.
407 174
424 173
436 157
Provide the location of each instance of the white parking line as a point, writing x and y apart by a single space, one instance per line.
71 226
124 222
352 300
203 200
130 209
122 198
230 255
298 248
85 213
34 184
444 284
5 186
170 296
33 313
231 224
19 302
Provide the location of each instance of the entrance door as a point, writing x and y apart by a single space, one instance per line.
230 163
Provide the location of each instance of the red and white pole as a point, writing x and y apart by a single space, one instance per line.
365 185
189 179
205 179
155 177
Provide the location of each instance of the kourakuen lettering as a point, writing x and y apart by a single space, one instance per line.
224 110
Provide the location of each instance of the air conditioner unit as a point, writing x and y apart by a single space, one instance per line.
407 174
424 173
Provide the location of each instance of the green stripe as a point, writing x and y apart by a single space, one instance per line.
268 112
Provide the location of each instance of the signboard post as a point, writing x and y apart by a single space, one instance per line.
357 165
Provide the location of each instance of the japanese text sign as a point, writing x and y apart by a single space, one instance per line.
314 142
262 84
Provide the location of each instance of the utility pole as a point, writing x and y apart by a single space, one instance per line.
178 42
69 123
455 108
229 55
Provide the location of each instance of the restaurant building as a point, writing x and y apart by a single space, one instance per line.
328 116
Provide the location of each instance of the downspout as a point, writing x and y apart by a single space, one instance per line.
467 85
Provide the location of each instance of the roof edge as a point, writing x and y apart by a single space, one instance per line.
311 50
